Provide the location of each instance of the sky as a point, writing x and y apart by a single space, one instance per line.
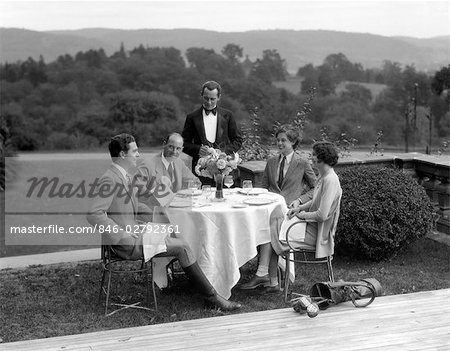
420 19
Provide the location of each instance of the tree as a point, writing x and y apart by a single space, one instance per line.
351 117
10 72
326 83
92 120
391 72
121 54
440 107
206 61
310 77
14 91
232 52
23 134
92 58
343 69
338 65
357 92
148 116
34 71
271 67
392 125
441 80
65 61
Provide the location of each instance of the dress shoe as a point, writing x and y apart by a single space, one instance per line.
272 289
255 282
221 303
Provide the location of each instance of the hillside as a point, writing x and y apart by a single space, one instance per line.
296 47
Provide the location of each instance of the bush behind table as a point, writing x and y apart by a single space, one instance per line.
382 210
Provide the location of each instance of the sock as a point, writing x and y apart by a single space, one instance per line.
273 281
262 270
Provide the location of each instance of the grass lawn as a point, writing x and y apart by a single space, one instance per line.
47 301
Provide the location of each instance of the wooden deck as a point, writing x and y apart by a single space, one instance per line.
419 321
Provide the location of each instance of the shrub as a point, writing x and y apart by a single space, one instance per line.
382 210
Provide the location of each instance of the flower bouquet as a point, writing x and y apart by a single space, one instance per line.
217 164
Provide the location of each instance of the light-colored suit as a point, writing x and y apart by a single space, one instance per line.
298 182
114 208
152 170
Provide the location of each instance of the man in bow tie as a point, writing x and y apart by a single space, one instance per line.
210 126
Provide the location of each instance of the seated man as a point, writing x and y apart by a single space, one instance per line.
116 208
165 169
289 175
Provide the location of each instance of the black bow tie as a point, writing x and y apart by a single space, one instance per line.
207 112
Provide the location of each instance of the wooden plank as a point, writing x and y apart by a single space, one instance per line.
191 334
164 328
412 321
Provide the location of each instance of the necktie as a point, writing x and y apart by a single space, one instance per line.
173 179
281 172
207 112
129 184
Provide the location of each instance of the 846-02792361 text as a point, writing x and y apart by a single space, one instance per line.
140 228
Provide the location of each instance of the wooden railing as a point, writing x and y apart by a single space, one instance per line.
432 172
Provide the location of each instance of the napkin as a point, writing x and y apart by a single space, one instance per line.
153 243
159 265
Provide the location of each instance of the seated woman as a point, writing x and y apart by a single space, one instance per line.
320 213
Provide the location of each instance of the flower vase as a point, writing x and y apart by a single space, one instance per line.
218 177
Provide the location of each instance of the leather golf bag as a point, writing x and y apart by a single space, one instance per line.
326 294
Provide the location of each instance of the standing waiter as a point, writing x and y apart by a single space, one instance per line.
210 126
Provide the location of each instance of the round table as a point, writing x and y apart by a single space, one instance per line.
223 235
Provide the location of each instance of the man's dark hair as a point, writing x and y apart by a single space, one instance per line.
211 85
120 143
326 152
291 133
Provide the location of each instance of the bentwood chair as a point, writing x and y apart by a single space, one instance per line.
114 265
305 255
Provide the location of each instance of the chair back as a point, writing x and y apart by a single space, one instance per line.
308 254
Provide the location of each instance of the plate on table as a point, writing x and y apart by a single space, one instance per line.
188 192
230 190
257 201
180 204
239 205
254 191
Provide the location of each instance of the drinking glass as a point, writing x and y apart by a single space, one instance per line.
228 181
206 190
192 185
247 186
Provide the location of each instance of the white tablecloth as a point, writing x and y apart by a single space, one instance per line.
223 238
